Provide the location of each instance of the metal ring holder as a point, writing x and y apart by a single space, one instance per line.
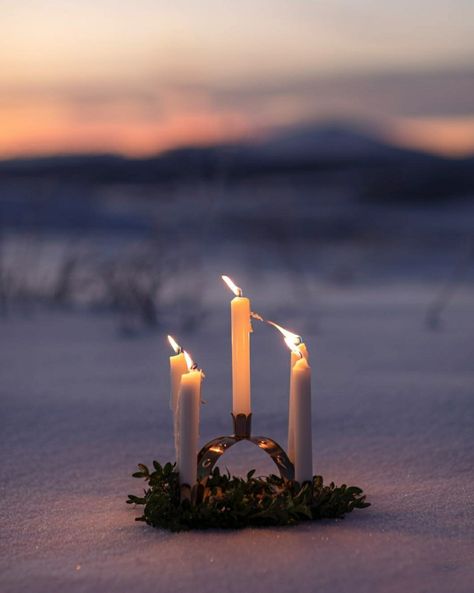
210 454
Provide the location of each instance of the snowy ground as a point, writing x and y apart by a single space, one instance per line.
393 413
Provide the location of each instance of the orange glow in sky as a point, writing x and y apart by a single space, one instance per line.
49 128
447 136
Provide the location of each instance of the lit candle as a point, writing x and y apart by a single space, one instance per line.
298 349
189 400
178 368
301 373
241 329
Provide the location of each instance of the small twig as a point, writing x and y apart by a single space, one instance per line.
445 295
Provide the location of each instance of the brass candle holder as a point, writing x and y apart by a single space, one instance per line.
212 451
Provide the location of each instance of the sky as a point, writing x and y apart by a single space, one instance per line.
145 76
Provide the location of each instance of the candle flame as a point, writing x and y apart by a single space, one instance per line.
292 346
189 361
174 344
234 288
293 339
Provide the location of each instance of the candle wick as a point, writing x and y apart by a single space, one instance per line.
196 368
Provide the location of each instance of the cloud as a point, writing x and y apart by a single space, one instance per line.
387 94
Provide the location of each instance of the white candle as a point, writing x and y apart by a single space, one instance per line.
298 350
300 446
291 404
178 367
189 401
301 379
241 328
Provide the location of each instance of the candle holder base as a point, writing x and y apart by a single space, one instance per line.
212 451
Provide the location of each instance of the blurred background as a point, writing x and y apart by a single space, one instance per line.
310 150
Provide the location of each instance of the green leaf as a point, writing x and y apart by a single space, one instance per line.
143 468
135 499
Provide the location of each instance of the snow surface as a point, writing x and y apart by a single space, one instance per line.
393 413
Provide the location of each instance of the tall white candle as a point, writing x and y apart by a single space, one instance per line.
303 462
189 401
241 328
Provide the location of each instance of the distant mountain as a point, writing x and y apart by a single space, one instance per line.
375 169
333 142
329 142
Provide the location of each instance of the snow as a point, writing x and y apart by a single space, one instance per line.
393 414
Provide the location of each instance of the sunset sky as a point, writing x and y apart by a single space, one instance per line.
139 77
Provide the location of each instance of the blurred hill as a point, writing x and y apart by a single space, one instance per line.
312 148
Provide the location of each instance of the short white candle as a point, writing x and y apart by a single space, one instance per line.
301 379
189 401
291 404
298 351
178 367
